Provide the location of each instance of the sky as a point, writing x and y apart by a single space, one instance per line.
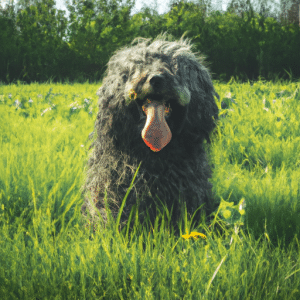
162 7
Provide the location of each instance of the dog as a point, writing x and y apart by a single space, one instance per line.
156 108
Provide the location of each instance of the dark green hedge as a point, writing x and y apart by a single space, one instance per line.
38 42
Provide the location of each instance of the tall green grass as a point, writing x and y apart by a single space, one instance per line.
251 249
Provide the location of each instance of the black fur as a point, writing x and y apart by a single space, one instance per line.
167 72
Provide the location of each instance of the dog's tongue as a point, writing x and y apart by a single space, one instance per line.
156 133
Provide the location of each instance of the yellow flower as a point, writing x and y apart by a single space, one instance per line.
194 234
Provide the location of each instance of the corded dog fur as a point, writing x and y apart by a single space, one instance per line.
156 106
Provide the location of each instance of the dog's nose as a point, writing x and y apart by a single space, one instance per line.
157 82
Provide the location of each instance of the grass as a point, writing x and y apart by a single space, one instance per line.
250 250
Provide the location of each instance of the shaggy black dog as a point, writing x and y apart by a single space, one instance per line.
156 106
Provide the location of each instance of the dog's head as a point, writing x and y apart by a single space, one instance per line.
163 88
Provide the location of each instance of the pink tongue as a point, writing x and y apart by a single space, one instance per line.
156 133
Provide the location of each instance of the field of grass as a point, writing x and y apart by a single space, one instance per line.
250 250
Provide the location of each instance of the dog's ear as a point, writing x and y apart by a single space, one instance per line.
195 76
193 73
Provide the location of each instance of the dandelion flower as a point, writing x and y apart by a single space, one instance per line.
194 234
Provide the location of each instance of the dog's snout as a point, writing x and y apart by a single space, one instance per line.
157 82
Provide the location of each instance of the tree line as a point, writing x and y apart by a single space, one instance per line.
38 42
